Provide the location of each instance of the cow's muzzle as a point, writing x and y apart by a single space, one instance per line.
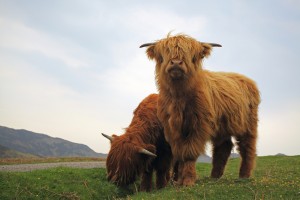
176 72
176 69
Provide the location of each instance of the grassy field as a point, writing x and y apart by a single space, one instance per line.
28 160
275 177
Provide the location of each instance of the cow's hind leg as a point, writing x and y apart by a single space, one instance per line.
178 173
162 165
175 171
247 148
163 172
221 151
162 178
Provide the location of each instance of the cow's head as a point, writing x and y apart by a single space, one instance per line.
178 57
127 158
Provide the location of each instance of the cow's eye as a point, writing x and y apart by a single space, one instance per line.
194 59
160 59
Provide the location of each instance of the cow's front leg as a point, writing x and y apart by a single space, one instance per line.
146 182
188 173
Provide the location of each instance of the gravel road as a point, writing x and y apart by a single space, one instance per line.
40 166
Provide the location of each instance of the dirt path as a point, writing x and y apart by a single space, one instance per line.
40 166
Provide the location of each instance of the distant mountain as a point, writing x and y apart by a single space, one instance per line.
234 155
9 153
204 159
42 145
280 154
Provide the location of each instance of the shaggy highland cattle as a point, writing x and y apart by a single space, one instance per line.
197 105
141 150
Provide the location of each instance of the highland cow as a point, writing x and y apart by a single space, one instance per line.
141 150
197 105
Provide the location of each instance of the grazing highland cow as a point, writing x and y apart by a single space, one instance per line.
140 150
196 105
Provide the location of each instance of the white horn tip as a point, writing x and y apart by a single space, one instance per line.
144 151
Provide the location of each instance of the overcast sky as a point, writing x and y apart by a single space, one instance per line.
72 69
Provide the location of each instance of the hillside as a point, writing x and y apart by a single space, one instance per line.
42 145
9 153
204 159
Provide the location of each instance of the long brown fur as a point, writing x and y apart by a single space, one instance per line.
197 105
124 162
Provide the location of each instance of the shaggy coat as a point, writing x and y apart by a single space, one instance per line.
125 162
196 105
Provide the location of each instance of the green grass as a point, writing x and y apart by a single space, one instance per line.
274 178
33 160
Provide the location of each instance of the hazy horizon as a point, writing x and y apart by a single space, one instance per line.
74 69
207 153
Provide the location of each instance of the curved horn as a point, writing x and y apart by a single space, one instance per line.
108 137
147 44
214 45
144 151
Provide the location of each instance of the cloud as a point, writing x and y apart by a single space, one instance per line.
17 35
279 130
133 78
34 101
132 72
153 22
71 69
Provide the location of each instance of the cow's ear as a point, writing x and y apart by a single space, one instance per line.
206 50
150 52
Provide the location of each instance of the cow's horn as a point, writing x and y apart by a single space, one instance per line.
144 151
214 45
147 44
108 137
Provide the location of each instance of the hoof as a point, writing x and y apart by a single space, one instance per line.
178 182
189 181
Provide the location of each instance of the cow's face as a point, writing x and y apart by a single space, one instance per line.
178 57
125 160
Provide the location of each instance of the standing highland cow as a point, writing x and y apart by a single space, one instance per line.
196 105
133 153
